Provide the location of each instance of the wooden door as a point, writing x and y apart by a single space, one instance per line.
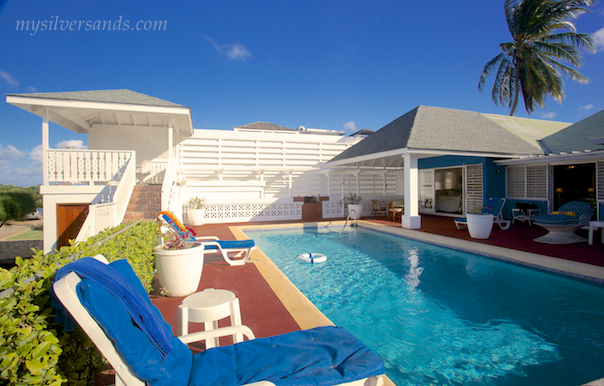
70 218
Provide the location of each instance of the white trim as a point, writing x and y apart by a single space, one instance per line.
87 105
551 159
419 153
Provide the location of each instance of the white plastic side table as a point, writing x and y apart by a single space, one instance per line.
208 307
593 226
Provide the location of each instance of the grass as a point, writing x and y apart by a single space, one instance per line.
28 235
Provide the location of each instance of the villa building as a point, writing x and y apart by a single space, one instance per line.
438 160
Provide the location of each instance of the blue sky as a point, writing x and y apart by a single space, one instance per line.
339 65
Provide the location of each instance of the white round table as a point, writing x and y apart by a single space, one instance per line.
208 307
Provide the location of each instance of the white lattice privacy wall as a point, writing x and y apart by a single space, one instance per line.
253 211
241 165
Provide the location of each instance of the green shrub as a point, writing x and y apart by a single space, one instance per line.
34 350
15 203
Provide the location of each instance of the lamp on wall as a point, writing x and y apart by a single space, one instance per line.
559 193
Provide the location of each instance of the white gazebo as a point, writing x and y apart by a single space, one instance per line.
127 131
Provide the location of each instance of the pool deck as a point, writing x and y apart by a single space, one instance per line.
271 304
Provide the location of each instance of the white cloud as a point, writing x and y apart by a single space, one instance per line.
9 153
586 107
350 126
71 144
548 115
599 39
36 154
236 51
31 89
9 79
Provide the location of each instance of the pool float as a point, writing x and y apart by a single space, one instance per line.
312 258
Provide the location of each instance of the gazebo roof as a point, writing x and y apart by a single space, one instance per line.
80 111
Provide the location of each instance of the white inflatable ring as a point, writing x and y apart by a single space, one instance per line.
312 258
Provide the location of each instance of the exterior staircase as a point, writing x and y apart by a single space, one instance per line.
144 204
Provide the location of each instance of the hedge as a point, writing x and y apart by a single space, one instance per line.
34 350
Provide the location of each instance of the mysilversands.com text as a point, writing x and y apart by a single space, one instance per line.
57 24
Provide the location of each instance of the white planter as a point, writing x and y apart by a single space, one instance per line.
358 208
480 225
196 216
179 270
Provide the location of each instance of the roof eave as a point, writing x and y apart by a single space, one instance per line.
422 153
554 158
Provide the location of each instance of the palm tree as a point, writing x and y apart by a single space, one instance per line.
543 40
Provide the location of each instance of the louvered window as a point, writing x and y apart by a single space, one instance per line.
600 186
474 188
526 182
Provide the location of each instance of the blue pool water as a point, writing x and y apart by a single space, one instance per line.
442 317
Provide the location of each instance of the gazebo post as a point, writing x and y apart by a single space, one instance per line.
45 147
411 218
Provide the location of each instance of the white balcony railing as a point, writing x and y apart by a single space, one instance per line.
85 166
109 206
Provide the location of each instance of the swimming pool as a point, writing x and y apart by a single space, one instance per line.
440 316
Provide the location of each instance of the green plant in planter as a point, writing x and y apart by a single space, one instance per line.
352 198
196 203
171 239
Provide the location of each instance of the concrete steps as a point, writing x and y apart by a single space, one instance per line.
144 204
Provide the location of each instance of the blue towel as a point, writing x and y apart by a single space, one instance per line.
137 306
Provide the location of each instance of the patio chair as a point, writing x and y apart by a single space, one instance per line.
495 207
378 208
239 249
395 211
110 304
563 223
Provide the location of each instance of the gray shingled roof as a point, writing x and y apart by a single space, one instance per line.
106 96
576 137
436 128
365 132
264 126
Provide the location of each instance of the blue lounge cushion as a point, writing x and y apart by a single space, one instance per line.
556 219
230 244
580 208
319 356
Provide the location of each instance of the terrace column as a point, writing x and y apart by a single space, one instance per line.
170 140
45 147
411 218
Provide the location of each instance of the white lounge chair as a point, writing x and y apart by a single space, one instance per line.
240 249
495 207
143 351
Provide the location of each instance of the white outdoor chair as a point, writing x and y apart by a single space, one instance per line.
132 350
